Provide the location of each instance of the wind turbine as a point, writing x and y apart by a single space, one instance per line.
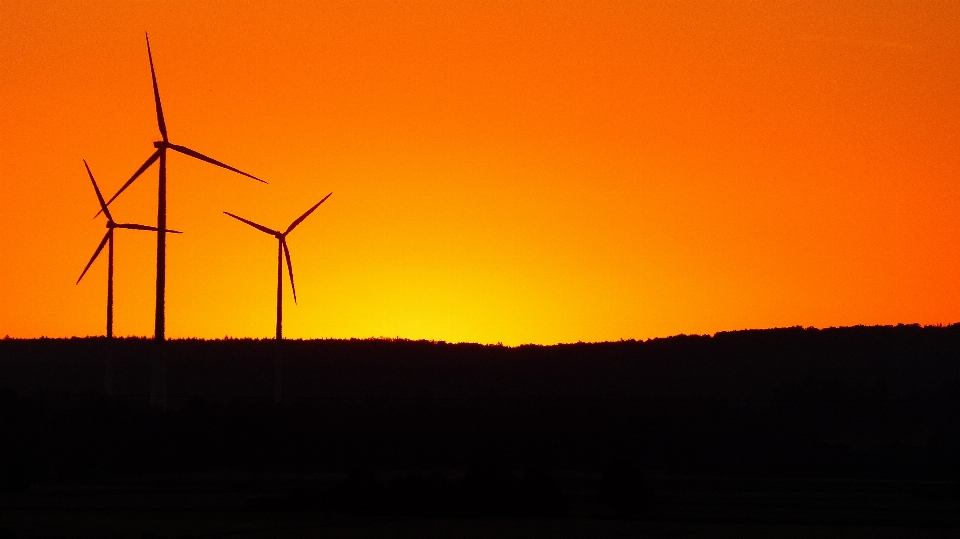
282 251
161 155
108 239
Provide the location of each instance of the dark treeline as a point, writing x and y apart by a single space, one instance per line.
856 362
861 402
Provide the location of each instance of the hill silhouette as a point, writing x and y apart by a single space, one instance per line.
397 427
751 364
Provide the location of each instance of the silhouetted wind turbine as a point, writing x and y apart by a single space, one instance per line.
108 239
161 154
282 251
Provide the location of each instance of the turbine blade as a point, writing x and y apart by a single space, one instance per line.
187 151
304 216
143 167
156 94
254 225
286 252
132 226
103 205
95 254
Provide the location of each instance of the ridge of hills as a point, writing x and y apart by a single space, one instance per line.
789 427
834 363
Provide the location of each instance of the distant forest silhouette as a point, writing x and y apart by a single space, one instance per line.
837 363
858 402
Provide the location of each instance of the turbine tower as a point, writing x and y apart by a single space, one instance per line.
108 239
161 155
282 251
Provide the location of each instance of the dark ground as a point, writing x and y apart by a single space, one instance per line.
851 432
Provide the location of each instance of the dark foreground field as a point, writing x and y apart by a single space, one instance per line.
850 432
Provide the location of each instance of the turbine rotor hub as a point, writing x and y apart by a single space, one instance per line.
160 144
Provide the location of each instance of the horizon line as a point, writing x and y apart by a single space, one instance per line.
497 344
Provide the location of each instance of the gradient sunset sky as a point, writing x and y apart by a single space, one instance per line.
502 172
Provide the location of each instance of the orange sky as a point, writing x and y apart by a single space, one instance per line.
549 172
